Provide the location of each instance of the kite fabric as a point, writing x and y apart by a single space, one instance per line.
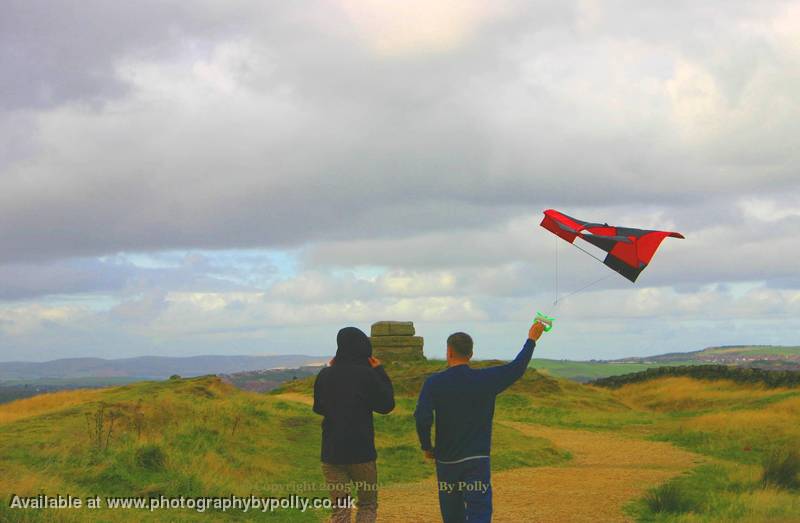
629 250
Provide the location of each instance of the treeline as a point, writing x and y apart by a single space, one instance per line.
769 378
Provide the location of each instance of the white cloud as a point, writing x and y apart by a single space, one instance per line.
770 210
418 27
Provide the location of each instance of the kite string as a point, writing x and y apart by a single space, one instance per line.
587 252
573 293
559 299
555 298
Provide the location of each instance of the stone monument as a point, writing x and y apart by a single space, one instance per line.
395 341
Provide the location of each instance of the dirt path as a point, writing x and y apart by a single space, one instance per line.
296 397
605 473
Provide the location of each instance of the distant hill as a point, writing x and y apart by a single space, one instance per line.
148 367
268 379
765 357
768 378
770 357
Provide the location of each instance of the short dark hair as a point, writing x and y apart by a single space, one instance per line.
461 342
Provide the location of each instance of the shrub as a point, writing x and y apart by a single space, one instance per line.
768 378
670 498
782 469
100 427
150 457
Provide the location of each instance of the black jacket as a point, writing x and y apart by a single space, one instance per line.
346 394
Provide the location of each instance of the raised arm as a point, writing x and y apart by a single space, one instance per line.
503 376
423 414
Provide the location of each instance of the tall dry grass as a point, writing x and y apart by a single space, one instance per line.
687 394
46 403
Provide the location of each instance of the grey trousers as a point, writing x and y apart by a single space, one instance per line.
343 480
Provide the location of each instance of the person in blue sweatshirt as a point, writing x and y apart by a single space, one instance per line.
462 399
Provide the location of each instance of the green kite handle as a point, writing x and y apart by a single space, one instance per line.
547 321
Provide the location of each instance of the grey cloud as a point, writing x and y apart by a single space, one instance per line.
55 52
25 281
322 139
116 275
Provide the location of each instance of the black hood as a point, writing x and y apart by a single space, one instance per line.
352 346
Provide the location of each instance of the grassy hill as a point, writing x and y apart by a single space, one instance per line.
203 437
17 389
192 437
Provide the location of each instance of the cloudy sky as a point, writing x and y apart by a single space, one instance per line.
245 177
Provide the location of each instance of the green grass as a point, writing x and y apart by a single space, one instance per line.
782 469
693 493
572 412
715 492
671 498
202 437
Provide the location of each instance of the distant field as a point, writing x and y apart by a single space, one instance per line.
591 370
766 350
11 390
266 380
731 353
73 382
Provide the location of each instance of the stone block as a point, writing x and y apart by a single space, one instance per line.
393 328
390 354
397 341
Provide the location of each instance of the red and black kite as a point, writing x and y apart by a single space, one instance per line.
629 250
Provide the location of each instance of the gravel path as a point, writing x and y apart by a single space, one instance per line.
607 471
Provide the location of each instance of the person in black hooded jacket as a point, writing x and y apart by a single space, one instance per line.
346 393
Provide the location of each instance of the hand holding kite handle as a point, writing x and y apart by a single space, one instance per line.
547 321
536 330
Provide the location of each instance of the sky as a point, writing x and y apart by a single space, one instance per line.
247 177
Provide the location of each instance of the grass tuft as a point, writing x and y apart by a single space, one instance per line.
150 457
670 498
781 469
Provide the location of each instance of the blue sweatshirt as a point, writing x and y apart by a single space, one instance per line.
463 400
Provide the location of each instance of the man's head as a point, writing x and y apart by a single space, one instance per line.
459 348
